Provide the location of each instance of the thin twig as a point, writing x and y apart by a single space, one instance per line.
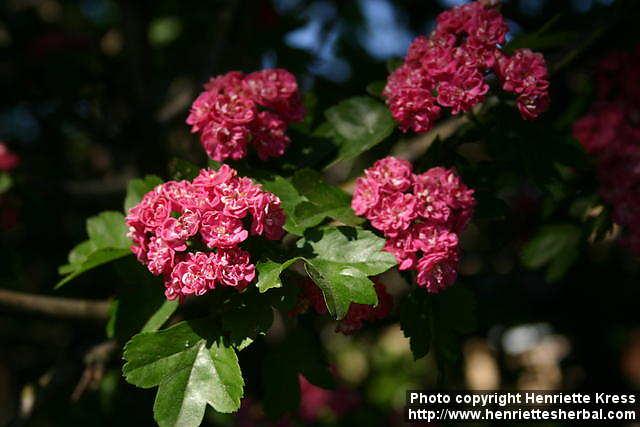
95 362
54 306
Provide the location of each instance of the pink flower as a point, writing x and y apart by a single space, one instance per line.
194 276
444 198
464 90
276 89
237 196
458 19
224 141
160 256
8 159
407 77
532 103
236 111
437 271
271 86
185 196
201 111
178 216
221 231
270 138
523 70
140 241
440 59
365 196
525 73
268 216
211 179
448 69
433 238
235 268
402 246
230 82
420 216
394 213
414 109
177 231
487 26
391 174
154 209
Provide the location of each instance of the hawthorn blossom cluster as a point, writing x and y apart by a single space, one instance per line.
610 131
420 215
190 232
449 68
237 110
357 315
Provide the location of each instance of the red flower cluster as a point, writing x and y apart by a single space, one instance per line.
213 211
356 317
420 216
315 401
237 110
8 159
611 132
448 69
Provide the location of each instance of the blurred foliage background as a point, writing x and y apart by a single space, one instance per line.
95 92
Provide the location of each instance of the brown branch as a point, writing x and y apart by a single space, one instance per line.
54 306
95 362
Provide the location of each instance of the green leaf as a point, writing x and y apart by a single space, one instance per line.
250 315
189 373
79 254
137 188
308 200
161 315
182 169
415 314
376 88
5 182
269 273
339 260
289 198
556 246
95 259
322 201
359 124
107 242
108 230
141 304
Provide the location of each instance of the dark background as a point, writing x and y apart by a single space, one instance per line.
96 92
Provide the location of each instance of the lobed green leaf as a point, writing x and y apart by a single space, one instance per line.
189 372
356 125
